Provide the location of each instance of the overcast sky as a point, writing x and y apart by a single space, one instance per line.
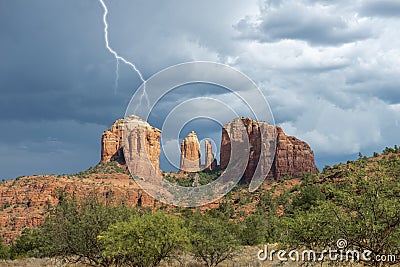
329 69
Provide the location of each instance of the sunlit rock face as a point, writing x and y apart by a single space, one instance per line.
190 153
293 157
140 141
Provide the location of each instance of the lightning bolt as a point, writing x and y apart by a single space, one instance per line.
119 58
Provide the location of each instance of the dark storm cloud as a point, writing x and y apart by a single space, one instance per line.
44 147
54 64
380 83
56 85
388 92
329 69
55 69
385 8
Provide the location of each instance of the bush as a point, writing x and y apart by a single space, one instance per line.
213 240
254 231
71 231
370 216
363 208
4 251
32 243
144 240
388 150
309 196
312 229
225 211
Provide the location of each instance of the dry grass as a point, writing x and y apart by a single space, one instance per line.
247 257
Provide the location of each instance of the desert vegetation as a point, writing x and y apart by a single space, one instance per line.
358 201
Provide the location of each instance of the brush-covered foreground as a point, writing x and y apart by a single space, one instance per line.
358 201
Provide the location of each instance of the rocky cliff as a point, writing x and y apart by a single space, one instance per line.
210 161
111 143
142 147
24 202
293 157
142 144
190 153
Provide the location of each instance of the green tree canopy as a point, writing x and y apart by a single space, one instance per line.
145 240
213 240
71 231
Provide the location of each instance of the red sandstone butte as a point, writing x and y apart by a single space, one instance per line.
190 153
293 157
142 145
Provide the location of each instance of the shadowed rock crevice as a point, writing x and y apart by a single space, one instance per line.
210 162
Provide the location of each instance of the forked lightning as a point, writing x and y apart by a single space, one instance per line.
120 58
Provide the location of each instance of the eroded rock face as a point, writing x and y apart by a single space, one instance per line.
111 143
142 144
25 201
292 156
190 153
210 161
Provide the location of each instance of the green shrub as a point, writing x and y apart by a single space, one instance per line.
309 196
213 240
313 228
34 242
254 230
363 208
144 240
4 251
71 231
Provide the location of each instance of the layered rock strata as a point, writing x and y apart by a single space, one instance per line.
190 153
210 161
140 141
142 147
293 157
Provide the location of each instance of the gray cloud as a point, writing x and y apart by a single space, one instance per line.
315 24
55 65
385 8
45 147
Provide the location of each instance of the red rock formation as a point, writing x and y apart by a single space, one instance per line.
111 143
142 147
190 153
142 144
24 202
210 161
293 157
